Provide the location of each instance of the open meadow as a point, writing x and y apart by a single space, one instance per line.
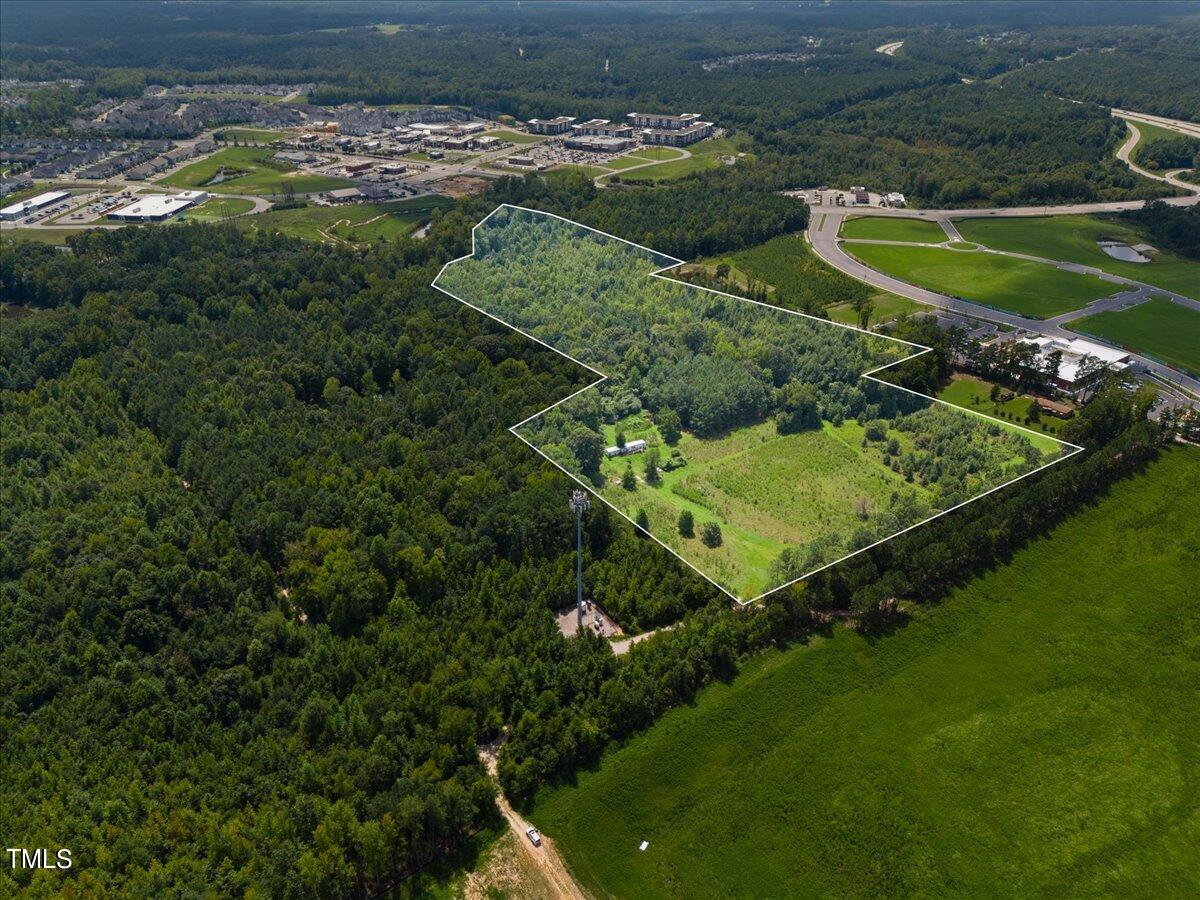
1160 328
1034 734
1028 288
350 224
889 228
706 154
217 209
1073 239
248 170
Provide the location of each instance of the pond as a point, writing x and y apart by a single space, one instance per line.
1123 252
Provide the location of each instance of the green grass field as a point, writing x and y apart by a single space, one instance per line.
887 228
255 135
589 171
514 137
1035 734
1073 239
974 393
751 482
887 307
704 155
1028 288
1158 327
217 209
350 224
1149 134
55 236
260 174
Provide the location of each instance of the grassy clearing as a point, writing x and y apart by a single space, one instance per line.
887 228
751 482
216 209
1028 288
422 156
589 171
1073 239
257 135
1033 735
974 393
514 137
56 236
1149 134
352 224
704 155
886 307
252 170
1158 327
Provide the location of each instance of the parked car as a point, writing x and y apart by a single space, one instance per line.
534 837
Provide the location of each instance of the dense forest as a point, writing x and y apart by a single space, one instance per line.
272 566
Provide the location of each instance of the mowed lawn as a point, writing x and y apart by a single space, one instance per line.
1028 288
969 392
885 307
704 155
260 174
1158 327
349 224
1035 734
216 209
889 228
1073 239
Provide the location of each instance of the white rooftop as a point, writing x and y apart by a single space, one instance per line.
153 206
35 202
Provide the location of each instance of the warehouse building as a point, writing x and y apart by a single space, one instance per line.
560 125
157 207
32 205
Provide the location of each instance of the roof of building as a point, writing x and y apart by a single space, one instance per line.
35 202
558 120
344 193
153 206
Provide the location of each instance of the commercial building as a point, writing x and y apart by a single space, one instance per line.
678 137
602 127
343 195
663 121
598 143
157 207
559 125
894 199
1072 370
32 205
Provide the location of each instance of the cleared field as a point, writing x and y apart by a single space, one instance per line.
40 235
1033 735
350 224
886 307
974 393
886 228
257 135
589 171
1028 288
1073 239
216 209
704 155
248 170
1158 327
751 482
514 137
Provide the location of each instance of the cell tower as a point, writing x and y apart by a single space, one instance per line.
579 505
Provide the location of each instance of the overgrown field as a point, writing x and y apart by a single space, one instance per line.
1029 288
1158 327
888 228
758 421
350 224
1073 239
249 170
1035 735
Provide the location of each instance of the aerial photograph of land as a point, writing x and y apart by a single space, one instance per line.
544 449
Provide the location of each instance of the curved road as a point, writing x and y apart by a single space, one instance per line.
822 233
1171 178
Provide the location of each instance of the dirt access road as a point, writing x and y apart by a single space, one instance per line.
545 857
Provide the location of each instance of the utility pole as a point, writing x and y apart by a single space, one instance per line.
579 505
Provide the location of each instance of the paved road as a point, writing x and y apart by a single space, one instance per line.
823 228
599 179
1171 178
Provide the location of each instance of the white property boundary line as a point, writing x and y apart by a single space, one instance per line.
658 273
